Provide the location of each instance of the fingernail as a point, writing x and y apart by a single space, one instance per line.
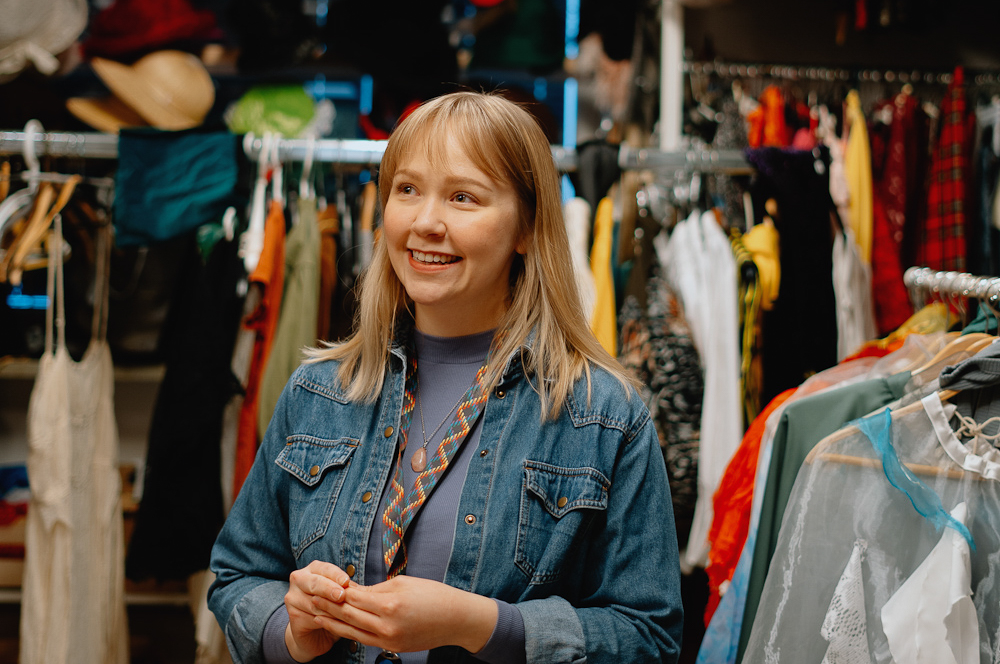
339 595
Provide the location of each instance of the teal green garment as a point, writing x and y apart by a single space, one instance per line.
985 321
804 423
171 182
299 310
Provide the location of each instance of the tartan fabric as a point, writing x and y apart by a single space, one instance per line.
398 515
941 235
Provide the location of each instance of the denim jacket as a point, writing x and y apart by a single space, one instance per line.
570 519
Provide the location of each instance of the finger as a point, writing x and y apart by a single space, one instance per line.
311 583
330 571
356 617
344 630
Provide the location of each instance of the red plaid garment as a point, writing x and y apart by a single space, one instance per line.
941 236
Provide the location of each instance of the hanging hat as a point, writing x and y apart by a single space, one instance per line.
129 27
169 89
108 114
34 32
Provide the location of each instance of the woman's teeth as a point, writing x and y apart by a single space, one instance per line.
433 258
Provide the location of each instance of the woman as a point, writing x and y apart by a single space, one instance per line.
550 538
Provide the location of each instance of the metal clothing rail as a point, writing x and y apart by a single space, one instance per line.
809 73
703 161
931 282
93 145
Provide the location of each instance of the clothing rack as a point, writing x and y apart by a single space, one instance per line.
809 73
92 145
952 284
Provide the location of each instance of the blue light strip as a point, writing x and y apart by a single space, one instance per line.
572 28
367 94
570 112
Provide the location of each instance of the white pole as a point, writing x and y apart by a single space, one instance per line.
671 73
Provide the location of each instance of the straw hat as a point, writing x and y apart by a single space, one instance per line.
107 114
169 89
34 32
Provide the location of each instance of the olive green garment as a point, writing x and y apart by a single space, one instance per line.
299 310
803 424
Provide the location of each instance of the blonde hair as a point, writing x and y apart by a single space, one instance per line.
506 143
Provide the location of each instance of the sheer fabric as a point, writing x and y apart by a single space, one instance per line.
824 522
73 608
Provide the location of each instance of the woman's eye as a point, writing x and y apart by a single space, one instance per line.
463 198
405 189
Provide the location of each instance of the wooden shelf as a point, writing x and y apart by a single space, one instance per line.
22 368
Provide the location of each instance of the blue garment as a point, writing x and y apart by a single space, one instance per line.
594 576
171 182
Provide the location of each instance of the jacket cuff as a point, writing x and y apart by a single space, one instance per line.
246 624
552 631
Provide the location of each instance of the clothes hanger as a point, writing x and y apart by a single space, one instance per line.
306 188
40 205
252 239
36 230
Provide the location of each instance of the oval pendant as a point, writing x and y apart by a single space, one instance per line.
419 460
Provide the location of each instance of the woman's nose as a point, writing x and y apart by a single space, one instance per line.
429 218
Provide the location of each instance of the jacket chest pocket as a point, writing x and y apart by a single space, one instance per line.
318 467
557 506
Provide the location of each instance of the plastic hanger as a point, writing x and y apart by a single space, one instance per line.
252 240
306 188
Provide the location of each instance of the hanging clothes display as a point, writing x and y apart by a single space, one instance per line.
700 267
296 325
603 320
941 234
656 343
923 508
269 278
858 171
800 332
181 510
73 601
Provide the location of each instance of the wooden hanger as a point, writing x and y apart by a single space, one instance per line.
946 356
34 233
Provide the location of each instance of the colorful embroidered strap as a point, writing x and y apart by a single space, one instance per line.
398 514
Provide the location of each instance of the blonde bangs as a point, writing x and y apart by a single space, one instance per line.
504 141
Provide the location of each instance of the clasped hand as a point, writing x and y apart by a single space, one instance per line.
404 614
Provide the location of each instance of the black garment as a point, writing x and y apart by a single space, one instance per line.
800 332
656 344
181 509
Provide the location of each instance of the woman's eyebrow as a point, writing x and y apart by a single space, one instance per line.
449 179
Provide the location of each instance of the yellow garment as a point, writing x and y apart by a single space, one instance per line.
762 243
934 317
858 171
749 298
603 321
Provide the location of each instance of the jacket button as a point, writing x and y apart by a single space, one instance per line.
484 453
388 432
350 569
368 496
470 519
500 393
353 647
314 471
561 502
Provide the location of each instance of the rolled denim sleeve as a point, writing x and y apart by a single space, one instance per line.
251 562
629 608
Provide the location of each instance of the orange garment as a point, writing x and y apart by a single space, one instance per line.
767 121
329 230
269 277
731 505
